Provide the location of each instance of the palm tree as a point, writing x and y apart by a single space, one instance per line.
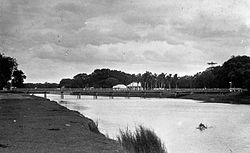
169 80
147 79
161 80
175 79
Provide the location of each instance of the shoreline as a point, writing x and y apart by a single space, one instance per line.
228 98
34 124
231 98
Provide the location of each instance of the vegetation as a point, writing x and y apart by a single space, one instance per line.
100 78
9 74
41 85
236 70
143 140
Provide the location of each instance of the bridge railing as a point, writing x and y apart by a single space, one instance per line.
178 90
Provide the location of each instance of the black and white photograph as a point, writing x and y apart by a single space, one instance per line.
124 76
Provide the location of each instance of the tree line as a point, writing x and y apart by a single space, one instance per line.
235 70
100 78
41 85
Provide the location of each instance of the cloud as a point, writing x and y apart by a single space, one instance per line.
136 35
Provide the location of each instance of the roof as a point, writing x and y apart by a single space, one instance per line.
120 86
134 84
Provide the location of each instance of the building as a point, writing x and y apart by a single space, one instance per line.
135 86
120 87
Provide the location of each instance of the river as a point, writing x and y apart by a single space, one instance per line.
173 120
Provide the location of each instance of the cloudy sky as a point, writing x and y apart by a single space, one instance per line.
54 39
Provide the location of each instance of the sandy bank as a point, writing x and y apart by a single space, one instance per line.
35 125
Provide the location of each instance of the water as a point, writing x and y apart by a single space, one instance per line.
173 120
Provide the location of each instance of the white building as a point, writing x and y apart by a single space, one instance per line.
120 87
135 86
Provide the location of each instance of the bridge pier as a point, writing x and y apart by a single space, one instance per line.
128 96
95 96
62 96
144 95
78 96
45 94
176 94
111 96
160 94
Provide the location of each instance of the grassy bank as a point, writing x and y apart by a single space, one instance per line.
30 124
231 98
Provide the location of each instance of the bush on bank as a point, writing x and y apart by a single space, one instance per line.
143 140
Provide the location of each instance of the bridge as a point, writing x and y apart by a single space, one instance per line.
95 92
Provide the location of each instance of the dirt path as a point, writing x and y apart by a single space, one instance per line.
35 125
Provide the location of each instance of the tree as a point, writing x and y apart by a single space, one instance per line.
147 80
185 82
169 80
110 82
138 78
175 80
206 79
8 69
100 78
161 80
236 70
18 78
155 81
81 80
41 85
67 83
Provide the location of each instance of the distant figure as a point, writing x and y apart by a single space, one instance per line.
201 127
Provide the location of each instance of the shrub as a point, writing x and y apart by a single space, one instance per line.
143 140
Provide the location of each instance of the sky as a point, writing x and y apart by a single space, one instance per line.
55 39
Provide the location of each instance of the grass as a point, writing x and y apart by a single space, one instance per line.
143 140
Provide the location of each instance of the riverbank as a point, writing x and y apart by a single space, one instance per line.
31 124
231 98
